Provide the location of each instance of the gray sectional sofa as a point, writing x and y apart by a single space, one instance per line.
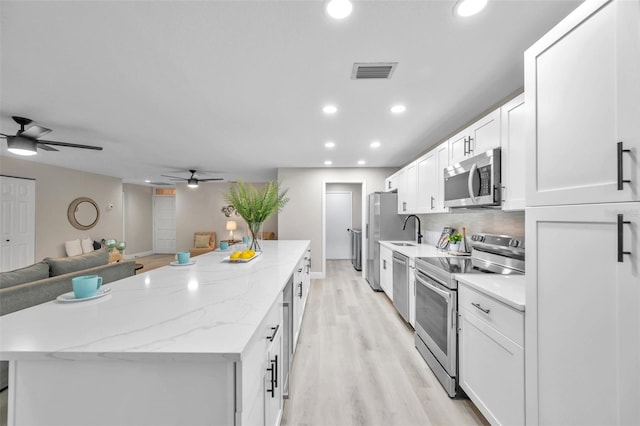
46 280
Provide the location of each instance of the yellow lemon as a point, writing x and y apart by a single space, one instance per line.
245 255
235 255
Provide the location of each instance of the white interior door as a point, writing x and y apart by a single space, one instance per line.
164 224
18 222
338 223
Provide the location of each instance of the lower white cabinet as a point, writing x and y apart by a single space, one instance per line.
491 356
386 270
273 383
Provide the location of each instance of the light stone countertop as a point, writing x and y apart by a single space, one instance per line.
211 308
509 289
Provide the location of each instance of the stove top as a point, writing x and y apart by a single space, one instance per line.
491 254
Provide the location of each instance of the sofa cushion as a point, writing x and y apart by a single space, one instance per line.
201 241
73 247
87 245
34 272
65 265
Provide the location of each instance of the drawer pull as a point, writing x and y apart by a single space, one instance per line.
477 305
275 331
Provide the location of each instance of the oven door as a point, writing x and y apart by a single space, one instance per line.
436 310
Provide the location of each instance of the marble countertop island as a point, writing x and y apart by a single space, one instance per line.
209 309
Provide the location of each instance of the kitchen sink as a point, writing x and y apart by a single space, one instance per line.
403 244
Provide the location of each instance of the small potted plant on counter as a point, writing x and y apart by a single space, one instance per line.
454 242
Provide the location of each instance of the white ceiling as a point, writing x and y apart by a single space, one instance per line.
237 87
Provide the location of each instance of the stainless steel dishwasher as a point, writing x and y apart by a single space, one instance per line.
401 284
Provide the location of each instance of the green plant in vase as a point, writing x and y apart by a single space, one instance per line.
454 241
256 205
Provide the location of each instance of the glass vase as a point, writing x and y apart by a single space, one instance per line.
254 230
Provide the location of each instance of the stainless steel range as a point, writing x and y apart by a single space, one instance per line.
437 299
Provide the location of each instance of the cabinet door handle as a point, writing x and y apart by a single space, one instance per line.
432 199
300 286
275 366
272 382
275 331
470 149
384 264
621 180
299 270
404 206
621 223
477 305
464 146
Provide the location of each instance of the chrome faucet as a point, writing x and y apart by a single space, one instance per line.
419 230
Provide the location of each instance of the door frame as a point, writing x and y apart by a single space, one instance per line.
363 187
350 193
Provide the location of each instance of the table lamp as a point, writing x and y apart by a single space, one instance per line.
232 225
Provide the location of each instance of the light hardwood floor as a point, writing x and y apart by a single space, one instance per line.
356 363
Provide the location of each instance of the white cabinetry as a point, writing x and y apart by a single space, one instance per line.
273 380
430 174
581 93
583 261
491 355
407 187
582 315
301 283
513 149
480 137
391 183
386 270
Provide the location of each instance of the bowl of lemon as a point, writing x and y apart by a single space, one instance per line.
243 256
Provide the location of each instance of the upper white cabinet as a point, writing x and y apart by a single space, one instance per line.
581 97
513 149
480 137
407 187
391 183
430 173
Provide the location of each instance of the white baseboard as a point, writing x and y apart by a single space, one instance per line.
137 255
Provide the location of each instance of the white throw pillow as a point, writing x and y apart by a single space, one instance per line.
73 247
87 245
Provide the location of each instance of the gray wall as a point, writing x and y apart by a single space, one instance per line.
301 219
199 209
138 223
56 188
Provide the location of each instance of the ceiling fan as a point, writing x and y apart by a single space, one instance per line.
26 141
192 182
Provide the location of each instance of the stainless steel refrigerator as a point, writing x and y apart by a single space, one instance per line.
384 224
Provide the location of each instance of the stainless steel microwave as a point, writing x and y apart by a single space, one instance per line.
474 182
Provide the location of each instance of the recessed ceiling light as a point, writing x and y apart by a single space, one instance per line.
330 109
466 8
339 9
147 181
398 109
375 144
328 163
329 145
361 162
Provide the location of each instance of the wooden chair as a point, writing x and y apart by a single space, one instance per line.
200 245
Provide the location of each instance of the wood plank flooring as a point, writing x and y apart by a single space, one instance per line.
356 363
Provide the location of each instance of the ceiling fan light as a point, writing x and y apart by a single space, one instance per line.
192 183
21 146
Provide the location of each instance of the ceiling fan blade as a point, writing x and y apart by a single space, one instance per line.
4 136
35 132
208 180
47 147
70 145
174 177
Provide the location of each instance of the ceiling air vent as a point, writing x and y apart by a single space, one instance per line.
363 71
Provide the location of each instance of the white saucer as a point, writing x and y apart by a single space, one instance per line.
176 263
71 297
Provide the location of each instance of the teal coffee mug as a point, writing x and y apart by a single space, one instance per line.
224 245
86 285
245 239
183 257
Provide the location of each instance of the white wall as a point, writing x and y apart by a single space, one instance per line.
199 209
56 188
301 219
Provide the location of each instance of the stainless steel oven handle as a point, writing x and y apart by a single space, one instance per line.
427 284
474 168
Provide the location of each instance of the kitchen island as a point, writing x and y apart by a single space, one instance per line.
194 344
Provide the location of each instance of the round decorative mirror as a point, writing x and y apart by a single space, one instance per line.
83 213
